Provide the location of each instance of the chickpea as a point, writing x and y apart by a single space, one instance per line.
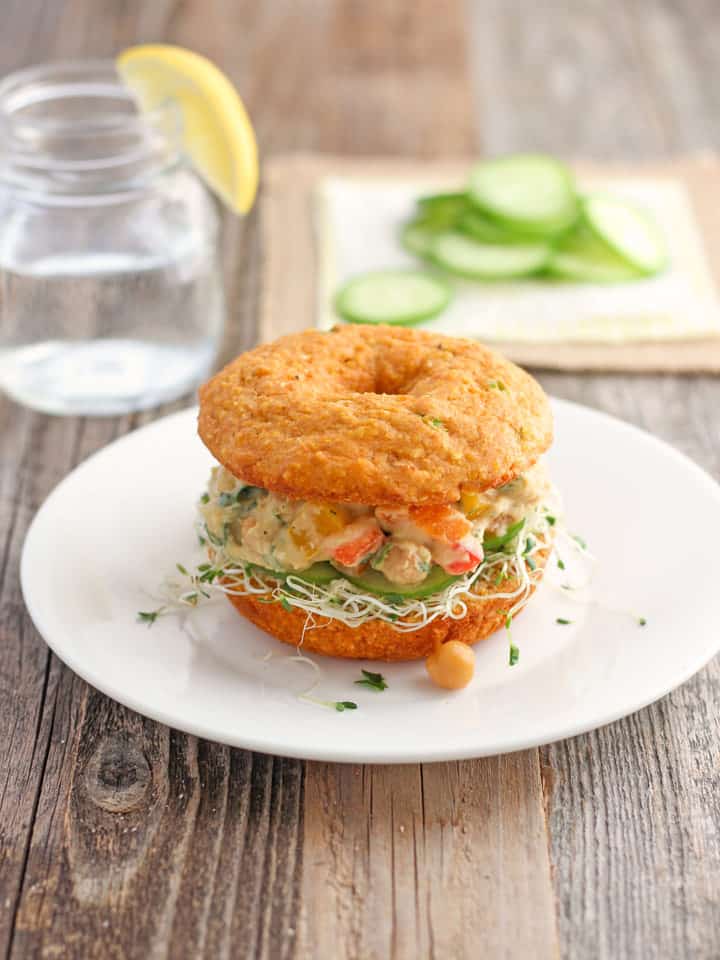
451 665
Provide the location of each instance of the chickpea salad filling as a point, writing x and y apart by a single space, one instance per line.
404 565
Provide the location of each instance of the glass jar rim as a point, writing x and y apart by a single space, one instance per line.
72 128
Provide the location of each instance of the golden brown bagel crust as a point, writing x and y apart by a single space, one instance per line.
374 415
377 640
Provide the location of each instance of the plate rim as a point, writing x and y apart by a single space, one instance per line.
382 754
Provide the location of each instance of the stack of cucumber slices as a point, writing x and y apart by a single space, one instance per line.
520 216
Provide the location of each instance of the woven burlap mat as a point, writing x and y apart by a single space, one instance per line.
289 297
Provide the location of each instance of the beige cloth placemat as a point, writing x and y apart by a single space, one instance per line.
289 274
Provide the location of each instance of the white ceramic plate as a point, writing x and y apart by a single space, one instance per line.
107 535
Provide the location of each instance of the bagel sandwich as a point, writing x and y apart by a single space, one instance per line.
378 490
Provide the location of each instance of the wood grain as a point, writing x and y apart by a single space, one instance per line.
137 841
120 838
634 816
427 861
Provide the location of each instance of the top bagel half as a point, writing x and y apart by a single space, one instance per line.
374 415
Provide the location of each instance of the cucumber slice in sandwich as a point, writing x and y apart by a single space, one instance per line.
401 297
319 573
375 582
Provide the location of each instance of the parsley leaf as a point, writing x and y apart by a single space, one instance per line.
341 705
374 681
149 616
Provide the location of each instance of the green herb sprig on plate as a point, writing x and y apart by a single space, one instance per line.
373 681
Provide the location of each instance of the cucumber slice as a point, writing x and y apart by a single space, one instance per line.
417 237
482 261
401 297
376 582
480 227
322 574
443 209
585 258
628 231
532 193
319 573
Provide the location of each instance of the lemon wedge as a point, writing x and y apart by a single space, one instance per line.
217 133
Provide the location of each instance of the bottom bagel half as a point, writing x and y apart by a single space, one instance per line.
378 640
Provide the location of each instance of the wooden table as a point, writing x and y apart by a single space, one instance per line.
120 838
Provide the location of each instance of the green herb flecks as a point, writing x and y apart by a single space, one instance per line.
494 544
560 564
513 650
373 681
339 705
209 574
563 622
181 569
642 621
550 519
497 385
215 540
150 616
285 604
205 498
379 558
434 422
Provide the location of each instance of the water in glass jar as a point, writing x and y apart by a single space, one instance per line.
107 333
110 293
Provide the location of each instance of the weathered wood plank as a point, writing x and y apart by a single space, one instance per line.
138 841
27 684
633 814
634 810
440 860
171 847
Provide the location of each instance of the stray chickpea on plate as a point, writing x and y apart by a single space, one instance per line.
378 493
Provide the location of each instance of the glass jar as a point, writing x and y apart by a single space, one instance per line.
111 294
